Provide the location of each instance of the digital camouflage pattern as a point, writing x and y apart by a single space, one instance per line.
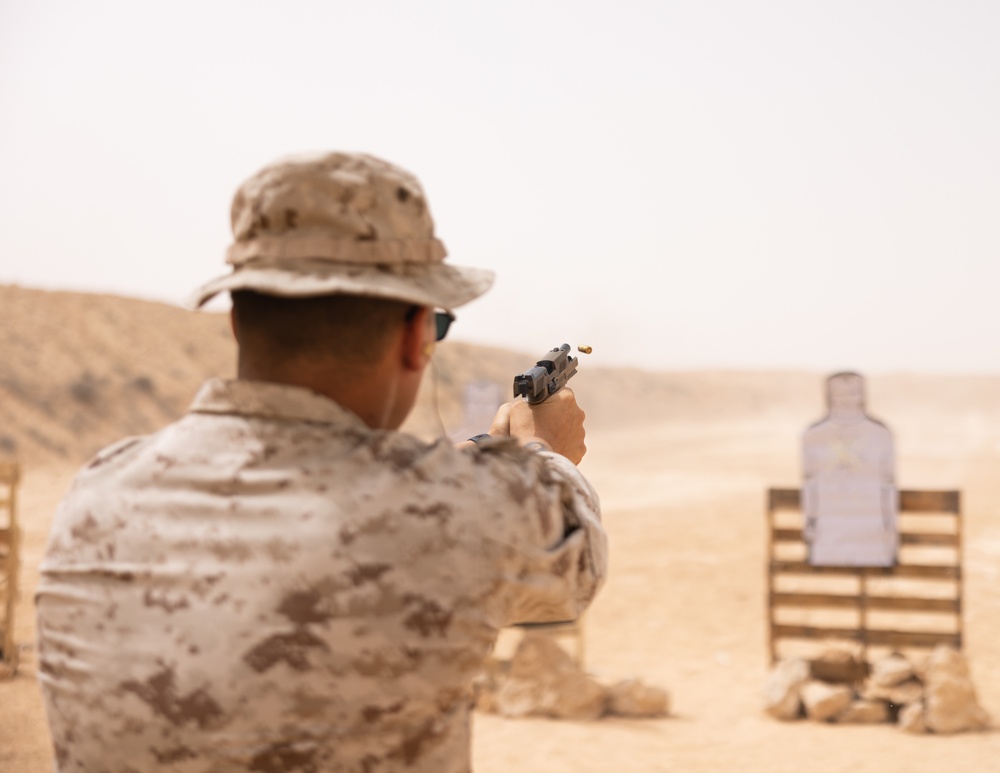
348 223
269 585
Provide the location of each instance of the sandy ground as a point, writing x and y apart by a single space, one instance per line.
684 607
682 462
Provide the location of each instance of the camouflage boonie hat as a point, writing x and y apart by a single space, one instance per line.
340 223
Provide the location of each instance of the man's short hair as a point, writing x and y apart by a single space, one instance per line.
351 328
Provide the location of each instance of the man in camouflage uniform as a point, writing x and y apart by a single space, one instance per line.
280 580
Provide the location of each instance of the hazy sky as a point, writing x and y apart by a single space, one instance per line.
679 184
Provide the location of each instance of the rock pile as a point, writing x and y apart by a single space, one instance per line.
936 696
542 680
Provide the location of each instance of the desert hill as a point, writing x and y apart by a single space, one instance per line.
681 461
79 370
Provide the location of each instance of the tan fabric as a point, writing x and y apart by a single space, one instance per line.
282 250
269 585
340 223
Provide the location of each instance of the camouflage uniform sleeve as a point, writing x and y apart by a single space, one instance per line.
544 530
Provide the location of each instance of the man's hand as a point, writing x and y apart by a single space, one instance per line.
557 423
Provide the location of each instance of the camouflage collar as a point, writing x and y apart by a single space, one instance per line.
269 400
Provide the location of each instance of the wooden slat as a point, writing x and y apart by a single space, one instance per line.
929 539
561 627
913 638
930 502
783 498
844 601
922 571
785 631
9 477
870 636
922 538
826 600
909 501
568 625
914 604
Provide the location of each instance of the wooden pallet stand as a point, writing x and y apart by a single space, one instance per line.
572 629
9 565
916 604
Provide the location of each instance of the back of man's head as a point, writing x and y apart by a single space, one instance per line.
347 329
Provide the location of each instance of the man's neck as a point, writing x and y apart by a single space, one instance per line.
366 390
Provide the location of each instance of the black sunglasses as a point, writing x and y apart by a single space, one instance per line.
442 321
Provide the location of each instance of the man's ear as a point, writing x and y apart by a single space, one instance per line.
418 339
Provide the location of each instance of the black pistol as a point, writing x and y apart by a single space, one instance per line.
548 376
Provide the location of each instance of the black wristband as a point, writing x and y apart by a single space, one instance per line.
477 439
